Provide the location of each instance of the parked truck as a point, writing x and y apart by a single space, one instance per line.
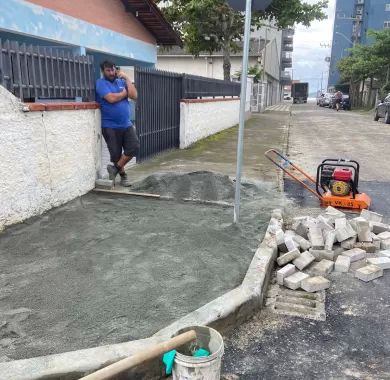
300 92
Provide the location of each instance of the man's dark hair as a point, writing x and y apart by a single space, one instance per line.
107 64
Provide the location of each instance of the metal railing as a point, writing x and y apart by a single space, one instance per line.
32 72
198 87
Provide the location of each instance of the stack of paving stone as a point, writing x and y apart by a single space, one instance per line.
314 247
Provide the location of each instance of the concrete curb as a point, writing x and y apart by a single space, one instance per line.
223 313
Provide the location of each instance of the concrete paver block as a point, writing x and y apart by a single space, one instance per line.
330 239
333 212
315 284
355 254
279 237
376 241
342 264
368 273
322 268
381 262
371 216
384 235
104 184
349 243
301 230
316 238
287 257
284 272
290 243
384 253
385 244
363 229
311 223
294 281
344 230
302 242
320 254
303 260
324 223
377 227
368 247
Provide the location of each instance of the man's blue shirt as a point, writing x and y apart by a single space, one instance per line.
114 115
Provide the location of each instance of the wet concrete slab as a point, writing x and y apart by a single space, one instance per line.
106 269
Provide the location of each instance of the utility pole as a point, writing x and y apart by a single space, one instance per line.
237 5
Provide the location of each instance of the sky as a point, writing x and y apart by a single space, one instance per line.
308 56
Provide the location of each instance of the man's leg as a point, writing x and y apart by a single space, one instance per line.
130 149
113 140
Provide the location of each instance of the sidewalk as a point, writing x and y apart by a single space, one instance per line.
218 153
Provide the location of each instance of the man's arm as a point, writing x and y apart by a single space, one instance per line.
131 90
116 97
111 97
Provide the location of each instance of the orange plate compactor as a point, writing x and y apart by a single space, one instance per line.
336 183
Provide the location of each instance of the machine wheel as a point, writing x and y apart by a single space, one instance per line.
387 117
376 117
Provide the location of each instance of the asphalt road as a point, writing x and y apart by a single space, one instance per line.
354 341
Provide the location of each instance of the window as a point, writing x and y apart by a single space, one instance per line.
386 25
387 9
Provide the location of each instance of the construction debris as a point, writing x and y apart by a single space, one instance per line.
314 247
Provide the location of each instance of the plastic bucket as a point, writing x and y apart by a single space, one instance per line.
188 367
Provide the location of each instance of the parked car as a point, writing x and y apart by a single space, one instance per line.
346 103
324 100
383 110
319 98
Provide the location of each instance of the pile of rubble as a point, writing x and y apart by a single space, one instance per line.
314 247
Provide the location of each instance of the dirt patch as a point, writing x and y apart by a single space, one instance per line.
202 185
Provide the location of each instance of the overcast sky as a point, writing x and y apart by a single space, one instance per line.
309 56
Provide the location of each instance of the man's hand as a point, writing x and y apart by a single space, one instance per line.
131 90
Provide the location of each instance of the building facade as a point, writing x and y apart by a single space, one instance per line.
270 49
353 19
125 31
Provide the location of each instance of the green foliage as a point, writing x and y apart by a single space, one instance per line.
252 70
211 25
367 61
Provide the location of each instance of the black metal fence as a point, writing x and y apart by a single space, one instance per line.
198 87
158 105
157 110
32 72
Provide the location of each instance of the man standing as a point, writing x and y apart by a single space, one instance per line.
112 93
338 98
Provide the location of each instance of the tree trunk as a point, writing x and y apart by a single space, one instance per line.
226 63
370 93
362 92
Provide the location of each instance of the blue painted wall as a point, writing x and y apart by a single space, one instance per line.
344 8
374 16
25 20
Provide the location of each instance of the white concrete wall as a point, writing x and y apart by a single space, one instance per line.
46 158
199 120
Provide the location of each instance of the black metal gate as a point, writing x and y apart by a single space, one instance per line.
157 111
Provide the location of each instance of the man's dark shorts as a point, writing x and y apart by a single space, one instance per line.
119 139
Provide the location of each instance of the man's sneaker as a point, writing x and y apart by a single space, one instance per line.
125 181
112 172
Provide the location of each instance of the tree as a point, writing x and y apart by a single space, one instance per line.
211 25
255 71
367 62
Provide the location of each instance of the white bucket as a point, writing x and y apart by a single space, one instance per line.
188 367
